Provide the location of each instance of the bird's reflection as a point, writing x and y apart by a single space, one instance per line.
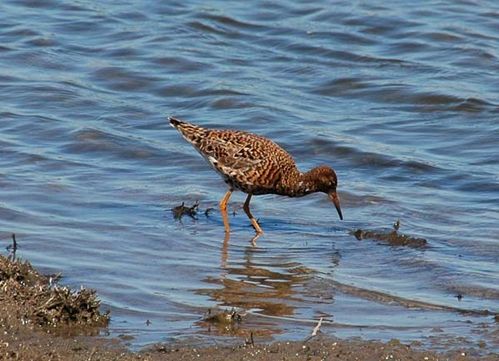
259 282
225 247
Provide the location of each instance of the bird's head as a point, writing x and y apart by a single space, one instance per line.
326 181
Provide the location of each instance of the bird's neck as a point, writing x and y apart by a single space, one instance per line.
300 184
308 182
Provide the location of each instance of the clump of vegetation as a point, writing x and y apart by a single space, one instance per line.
43 302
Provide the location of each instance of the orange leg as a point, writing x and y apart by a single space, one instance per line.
223 209
246 208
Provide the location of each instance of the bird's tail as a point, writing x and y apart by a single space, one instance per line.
192 133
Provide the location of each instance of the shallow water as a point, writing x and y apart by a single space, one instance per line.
402 100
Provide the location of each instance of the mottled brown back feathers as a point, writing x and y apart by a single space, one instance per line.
246 161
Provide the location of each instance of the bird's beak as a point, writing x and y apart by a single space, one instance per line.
336 200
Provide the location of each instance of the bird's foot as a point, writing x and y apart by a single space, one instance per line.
256 226
255 237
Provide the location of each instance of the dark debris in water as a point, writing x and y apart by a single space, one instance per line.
393 237
192 211
12 248
43 302
224 322
183 210
223 317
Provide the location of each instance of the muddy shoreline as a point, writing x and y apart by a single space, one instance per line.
42 320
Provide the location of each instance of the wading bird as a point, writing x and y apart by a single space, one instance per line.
256 165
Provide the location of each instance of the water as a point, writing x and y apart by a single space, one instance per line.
401 99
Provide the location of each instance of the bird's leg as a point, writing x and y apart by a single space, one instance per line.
255 224
255 237
223 209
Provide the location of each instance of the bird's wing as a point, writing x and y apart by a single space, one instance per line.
236 156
